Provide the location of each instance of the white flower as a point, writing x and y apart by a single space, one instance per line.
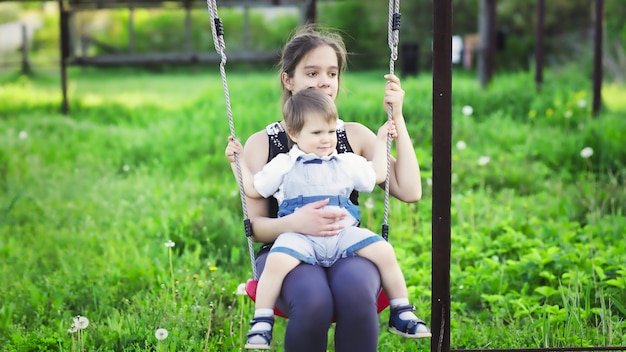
170 244
467 110
586 153
241 290
80 322
23 135
369 203
484 160
161 334
460 145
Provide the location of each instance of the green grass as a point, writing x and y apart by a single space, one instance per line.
88 201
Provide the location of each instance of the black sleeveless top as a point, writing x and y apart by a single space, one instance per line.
279 143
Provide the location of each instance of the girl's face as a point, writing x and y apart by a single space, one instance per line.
318 136
318 69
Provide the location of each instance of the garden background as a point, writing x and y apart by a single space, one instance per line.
125 212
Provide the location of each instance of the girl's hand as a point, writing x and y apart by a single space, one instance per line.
394 95
233 147
315 221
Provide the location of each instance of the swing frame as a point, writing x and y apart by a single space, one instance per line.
218 40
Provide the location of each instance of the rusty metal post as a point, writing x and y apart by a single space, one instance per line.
541 8
442 171
597 57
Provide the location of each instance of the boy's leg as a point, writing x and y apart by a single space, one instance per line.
277 266
382 255
402 320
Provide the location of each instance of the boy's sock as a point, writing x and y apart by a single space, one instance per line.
408 315
263 312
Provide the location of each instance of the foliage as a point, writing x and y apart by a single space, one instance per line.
87 202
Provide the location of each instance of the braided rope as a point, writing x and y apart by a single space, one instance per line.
393 38
218 40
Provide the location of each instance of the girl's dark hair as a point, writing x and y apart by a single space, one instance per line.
307 38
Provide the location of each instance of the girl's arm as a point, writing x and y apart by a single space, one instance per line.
405 181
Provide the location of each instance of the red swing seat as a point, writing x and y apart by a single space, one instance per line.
251 284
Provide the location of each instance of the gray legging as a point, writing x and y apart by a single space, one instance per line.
311 295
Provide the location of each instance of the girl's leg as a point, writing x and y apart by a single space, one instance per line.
306 298
355 283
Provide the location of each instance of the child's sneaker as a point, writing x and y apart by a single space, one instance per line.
411 328
260 339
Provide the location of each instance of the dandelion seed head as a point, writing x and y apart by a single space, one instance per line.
170 244
429 182
80 322
586 153
467 110
567 114
72 329
484 160
161 334
22 135
241 290
582 103
125 168
460 145
369 203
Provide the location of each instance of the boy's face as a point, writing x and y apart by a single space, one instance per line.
318 136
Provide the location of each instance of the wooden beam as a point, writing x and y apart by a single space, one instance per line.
442 175
597 57
539 44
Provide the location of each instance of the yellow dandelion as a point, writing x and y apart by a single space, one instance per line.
212 268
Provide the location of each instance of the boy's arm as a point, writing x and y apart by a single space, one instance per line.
379 160
247 179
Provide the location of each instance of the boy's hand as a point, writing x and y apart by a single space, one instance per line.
389 128
233 147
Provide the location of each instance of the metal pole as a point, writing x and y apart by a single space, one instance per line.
597 57
539 44
442 171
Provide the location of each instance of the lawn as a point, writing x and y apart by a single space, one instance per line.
90 201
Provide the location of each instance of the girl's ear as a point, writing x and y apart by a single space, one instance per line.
286 81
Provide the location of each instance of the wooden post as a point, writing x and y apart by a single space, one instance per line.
310 12
25 63
597 57
131 28
64 51
442 175
539 44
187 27
487 32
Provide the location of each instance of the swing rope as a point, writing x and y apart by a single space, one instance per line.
393 38
218 39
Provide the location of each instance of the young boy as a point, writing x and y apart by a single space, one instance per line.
311 171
